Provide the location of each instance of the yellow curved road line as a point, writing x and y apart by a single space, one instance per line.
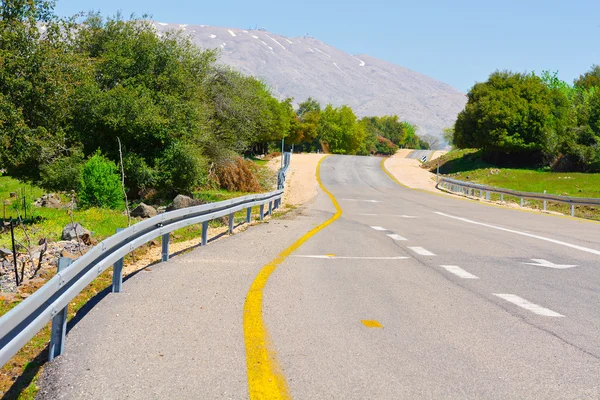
265 379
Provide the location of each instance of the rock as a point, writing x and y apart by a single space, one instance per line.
5 252
13 195
161 209
88 240
50 200
69 231
181 201
143 211
66 254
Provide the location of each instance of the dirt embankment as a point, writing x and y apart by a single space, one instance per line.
301 183
408 171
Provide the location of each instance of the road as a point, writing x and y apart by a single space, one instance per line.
407 295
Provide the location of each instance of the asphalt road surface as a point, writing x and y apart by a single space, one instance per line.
408 295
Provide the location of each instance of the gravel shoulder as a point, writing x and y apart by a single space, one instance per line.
301 182
408 171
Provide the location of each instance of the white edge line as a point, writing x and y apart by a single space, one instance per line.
573 246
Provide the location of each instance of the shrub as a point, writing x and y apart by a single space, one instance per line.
139 176
63 173
182 169
100 183
385 146
237 176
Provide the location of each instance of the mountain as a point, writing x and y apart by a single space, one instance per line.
305 67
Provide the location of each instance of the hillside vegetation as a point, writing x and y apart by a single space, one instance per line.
536 121
72 90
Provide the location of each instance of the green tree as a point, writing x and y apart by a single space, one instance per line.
590 79
511 114
340 131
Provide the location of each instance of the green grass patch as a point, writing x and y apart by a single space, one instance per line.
466 165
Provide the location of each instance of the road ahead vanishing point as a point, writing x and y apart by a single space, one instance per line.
406 295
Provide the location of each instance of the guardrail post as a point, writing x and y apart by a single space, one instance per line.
59 321
521 202
204 233
270 208
501 196
437 174
230 220
544 202
572 210
248 215
165 247
117 281
487 195
262 212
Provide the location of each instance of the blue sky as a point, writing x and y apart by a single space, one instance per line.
458 42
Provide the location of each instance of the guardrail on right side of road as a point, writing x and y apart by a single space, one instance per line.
470 189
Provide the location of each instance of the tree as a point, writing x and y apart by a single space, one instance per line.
512 114
309 105
590 79
38 77
340 130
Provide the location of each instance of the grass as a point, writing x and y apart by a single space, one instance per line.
466 165
101 222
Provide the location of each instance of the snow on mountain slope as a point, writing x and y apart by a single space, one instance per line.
305 67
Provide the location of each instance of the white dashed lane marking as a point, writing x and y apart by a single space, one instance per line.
458 271
421 251
378 228
534 308
396 237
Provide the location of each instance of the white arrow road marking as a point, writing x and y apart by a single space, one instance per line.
545 263
458 271
396 237
325 256
421 251
378 228
573 246
534 308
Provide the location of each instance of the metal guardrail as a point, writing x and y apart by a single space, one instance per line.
50 302
470 189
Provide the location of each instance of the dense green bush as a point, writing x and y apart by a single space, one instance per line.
182 169
100 184
63 173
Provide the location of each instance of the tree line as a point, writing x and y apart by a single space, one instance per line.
530 119
71 88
